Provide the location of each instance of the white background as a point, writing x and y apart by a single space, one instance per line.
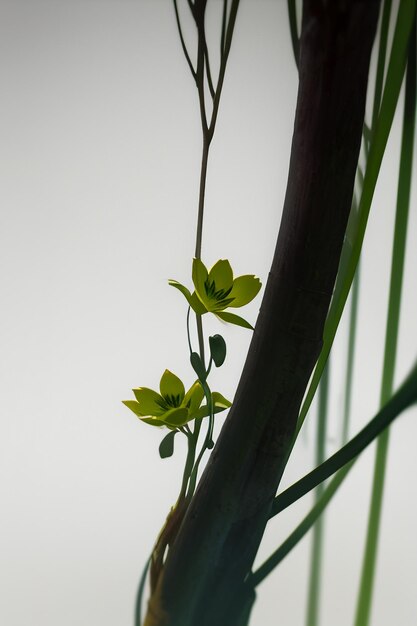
100 154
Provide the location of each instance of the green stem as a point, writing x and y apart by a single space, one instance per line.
188 331
200 335
397 269
207 444
189 463
313 599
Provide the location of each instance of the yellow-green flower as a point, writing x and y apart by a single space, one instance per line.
217 290
172 407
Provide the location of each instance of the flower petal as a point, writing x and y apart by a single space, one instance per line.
200 276
233 319
222 275
150 402
133 406
176 417
186 292
194 397
244 289
220 401
196 304
171 388
203 411
153 421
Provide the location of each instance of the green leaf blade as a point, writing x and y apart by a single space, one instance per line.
217 349
166 447
198 366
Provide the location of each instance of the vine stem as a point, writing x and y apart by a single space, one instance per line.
205 446
189 463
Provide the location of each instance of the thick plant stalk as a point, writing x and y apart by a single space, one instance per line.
203 581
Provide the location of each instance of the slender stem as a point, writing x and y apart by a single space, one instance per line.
206 444
208 132
223 64
313 601
184 47
188 331
189 463
224 25
403 199
208 71
194 473
209 365
200 334
200 80
202 190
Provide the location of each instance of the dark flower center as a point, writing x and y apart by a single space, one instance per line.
219 295
169 402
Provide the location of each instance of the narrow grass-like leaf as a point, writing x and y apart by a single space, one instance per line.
351 354
367 134
397 269
405 396
313 599
276 557
401 400
380 68
395 73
